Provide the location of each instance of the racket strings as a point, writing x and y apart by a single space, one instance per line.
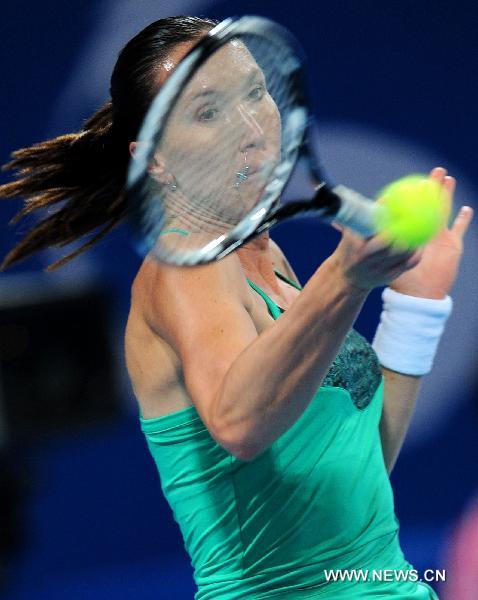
220 154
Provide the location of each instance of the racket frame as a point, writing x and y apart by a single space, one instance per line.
327 203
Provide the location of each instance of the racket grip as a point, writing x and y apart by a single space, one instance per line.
356 211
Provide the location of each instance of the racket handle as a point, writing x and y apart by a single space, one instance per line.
356 211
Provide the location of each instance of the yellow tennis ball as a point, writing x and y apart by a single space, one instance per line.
415 211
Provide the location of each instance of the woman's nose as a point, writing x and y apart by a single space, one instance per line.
252 132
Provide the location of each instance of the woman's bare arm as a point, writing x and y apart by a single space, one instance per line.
400 395
433 277
249 389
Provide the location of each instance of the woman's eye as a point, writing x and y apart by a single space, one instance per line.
208 114
257 92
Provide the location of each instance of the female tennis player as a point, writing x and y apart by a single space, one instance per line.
273 424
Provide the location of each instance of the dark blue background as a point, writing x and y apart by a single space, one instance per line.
97 524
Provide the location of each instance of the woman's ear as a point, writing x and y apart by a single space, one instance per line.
156 168
132 148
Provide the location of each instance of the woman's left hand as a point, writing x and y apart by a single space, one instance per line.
434 275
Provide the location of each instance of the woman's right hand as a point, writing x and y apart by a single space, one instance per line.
372 262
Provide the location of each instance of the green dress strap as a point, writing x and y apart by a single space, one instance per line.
274 310
175 230
287 280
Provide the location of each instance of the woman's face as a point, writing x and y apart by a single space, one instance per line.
223 136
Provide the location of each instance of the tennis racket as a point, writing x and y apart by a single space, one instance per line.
218 146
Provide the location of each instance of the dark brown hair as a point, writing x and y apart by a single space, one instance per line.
86 170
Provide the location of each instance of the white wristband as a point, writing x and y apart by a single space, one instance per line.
410 328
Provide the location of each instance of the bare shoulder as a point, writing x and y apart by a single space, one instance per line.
164 291
280 261
202 314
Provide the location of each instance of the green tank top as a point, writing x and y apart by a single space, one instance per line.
319 498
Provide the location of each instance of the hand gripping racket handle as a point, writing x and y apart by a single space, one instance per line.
349 208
